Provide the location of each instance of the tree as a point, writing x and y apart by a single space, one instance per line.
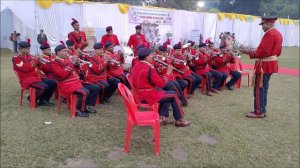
280 8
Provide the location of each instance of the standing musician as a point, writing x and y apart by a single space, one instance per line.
109 37
222 62
28 73
77 37
98 73
203 68
179 62
64 71
147 83
266 64
136 39
115 64
172 84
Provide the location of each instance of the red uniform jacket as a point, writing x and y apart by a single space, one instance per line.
135 60
134 41
147 82
162 70
202 63
181 66
107 38
222 63
270 45
66 76
113 68
45 68
78 38
98 70
27 70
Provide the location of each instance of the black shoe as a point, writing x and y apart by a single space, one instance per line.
81 114
106 99
184 102
90 109
45 103
228 87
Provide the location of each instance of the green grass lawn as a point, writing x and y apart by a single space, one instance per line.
289 58
241 142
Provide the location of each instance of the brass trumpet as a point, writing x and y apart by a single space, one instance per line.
165 64
105 54
81 61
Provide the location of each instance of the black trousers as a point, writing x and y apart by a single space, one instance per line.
94 91
113 83
45 89
174 86
218 79
170 97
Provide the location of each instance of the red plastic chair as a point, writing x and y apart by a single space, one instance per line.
243 73
137 118
136 98
71 102
32 91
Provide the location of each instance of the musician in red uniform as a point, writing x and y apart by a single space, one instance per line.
147 82
135 58
115 65
179 62
48 57
64 72
109 37
27 70
172 84
203 68
266 64
77 37
190 51
136 39
222 62
98 73
71 48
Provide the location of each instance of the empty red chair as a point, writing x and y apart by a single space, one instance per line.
137 118
243 73
32 91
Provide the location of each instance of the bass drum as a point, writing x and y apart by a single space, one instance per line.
127 53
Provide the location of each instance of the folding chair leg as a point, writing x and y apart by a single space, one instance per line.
32 97
73 105
21 97
156 131
128 136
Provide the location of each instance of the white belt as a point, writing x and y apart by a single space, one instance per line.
270 58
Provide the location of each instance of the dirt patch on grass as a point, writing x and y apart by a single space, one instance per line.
116 154
179 154
208 139
145 165
80 164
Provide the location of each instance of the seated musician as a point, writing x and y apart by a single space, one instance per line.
27 70
190 50
222 63
48 56
71 48
98 74
65 73
115 64
172 84
147 82
203 68
179 62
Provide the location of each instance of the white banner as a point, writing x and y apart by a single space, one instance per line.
144 15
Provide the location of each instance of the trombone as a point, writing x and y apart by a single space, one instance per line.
81 61
165 64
